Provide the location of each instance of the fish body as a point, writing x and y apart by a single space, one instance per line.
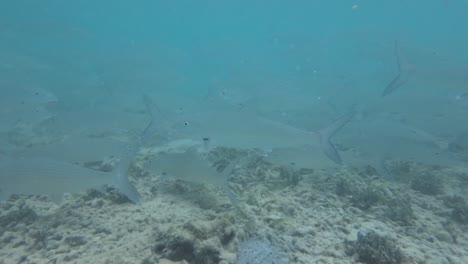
43 176
24 105
243 130
43 171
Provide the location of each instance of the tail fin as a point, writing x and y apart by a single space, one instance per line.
405 69
327 133
154 112
123 183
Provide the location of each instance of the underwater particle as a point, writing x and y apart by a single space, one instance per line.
354 7
206 143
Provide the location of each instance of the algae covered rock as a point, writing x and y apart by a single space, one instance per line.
373 248
15 216
195 242
258 250
459 208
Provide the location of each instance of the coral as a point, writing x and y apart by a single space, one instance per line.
400 210
183 247
23 215
401 170
196 242
460 208
366 198
257 250
40 237
372 248
427 183
74 241
110 193
343 187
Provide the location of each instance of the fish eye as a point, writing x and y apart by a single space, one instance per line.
186 123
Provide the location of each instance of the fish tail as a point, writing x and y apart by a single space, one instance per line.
153 111
122 181
127 187
326 134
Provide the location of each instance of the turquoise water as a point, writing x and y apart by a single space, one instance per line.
96 89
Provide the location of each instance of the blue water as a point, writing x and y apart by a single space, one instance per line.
180 48
249 75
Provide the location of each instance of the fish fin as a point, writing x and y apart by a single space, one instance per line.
154 126
122 181
328 132
151 107
405 70
126 187
330 151
404 65
226 173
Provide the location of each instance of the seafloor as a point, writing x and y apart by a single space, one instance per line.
280 215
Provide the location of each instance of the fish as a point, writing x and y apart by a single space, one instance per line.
75 149
24 105
18 97
385 139
99 122
190 165
250 131
187 165
405 71
53 178
42 171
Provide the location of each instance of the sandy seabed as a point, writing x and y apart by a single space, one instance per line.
342 215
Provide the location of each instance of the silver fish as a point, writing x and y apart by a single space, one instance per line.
190 165
244 130
43 176
24 105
